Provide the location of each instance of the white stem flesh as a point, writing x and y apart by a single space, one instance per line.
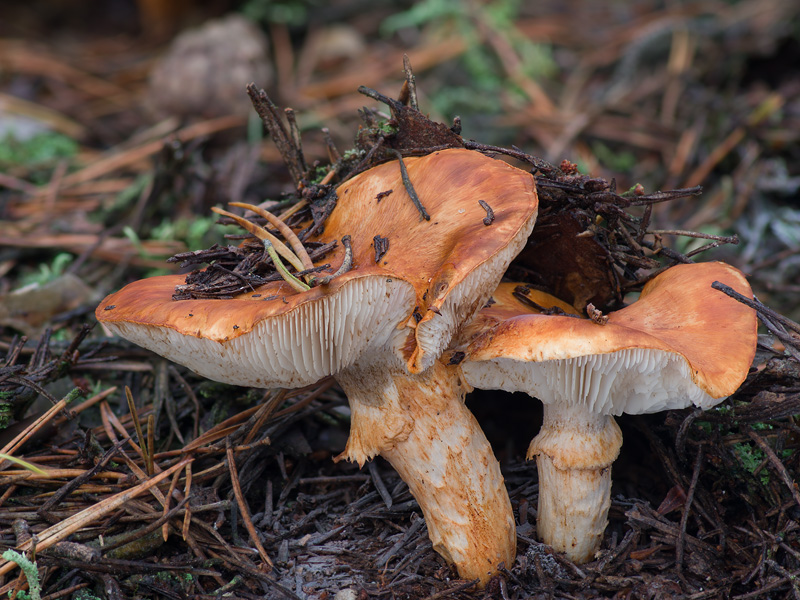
419 423
574 451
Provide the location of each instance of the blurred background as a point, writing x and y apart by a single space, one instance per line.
123 121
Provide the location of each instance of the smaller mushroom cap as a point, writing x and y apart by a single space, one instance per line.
681 343
504 304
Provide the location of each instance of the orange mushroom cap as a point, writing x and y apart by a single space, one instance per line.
682 342
440 270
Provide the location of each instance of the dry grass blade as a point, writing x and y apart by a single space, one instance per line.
143 446
244 511
60 473
187 517
25 435
172 485
263 234
78 521
298 206
88 403
284 230
214 434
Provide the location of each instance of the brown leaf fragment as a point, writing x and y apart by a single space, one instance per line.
381 245
456 358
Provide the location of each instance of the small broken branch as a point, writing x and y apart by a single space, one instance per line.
410 84
412 193
294 130
757 306
541 165
489 219
268 112
657 197
334 156
727 239
347 264
376 95
773 321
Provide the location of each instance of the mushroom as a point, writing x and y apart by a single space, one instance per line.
378 328
681 344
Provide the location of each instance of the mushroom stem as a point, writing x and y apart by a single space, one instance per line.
419 423
574 451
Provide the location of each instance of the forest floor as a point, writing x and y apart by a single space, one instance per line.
110 160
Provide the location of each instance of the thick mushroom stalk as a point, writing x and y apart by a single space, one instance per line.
574 451
419 423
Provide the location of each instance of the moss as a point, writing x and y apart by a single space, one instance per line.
31 572
751 458
6 409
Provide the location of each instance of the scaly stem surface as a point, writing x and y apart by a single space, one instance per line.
420 425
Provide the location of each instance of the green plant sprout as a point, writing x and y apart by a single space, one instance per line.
751 459
38 154
48 273
288 12
44 147
485 72
22 463
196 233
6 409
129 233
619 161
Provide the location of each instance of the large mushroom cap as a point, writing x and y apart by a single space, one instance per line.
681 343
434 275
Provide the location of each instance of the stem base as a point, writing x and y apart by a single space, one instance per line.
574 451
